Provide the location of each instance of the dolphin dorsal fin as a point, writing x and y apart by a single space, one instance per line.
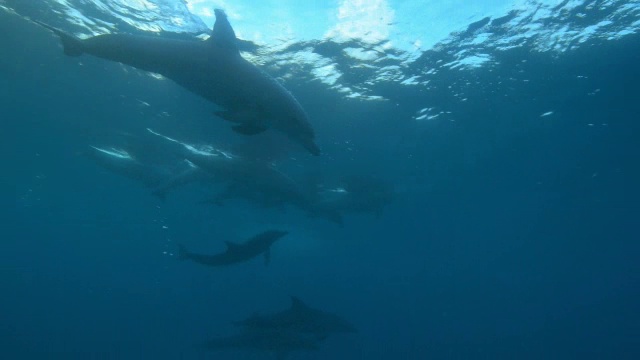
297 304
223 35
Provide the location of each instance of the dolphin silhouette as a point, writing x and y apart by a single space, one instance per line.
235 253
213 69
301 318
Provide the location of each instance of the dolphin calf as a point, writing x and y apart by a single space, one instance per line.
235 253
213 69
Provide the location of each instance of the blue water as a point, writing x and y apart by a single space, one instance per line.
508 131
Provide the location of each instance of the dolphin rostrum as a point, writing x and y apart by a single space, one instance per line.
235 253
213 69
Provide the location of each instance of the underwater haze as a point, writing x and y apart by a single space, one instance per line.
476 195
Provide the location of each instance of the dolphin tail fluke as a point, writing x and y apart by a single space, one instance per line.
72 45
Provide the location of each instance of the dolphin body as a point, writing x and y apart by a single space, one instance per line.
300 318
213 69
235 253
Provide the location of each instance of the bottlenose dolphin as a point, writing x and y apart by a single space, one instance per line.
213 69
300 317
235 253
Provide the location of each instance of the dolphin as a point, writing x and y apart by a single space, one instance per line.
235 253
300 317
213 69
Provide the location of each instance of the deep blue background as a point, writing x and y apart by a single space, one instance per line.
513 236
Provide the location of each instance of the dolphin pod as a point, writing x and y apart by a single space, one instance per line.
213 69
253 102
299 327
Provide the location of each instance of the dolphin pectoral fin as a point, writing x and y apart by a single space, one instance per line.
249 129
267 257
72 46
